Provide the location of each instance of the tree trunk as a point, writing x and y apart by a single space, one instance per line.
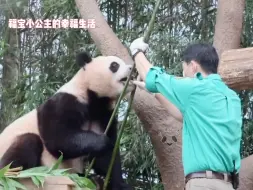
228 28
204 15
165 132
246 174
228 31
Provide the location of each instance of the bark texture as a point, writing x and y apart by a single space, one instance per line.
236 68
229 22
165 132
246 174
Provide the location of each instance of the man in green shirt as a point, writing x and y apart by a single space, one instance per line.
209 110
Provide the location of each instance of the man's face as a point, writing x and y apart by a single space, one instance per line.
189 69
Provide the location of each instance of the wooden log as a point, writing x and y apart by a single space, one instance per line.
236 68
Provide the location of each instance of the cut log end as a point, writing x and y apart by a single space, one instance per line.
236 68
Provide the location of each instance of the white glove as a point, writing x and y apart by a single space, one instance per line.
138 45
141 85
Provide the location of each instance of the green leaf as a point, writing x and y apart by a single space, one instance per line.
4 183
2 44
4 170
41 180
1 182
59 172
40 169
82 182
18 4
88 183
58 162
17 184
36 181
25 175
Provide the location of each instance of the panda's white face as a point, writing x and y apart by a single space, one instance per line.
106 75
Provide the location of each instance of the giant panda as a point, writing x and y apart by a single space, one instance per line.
72 122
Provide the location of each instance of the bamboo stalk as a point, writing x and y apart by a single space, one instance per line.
116 147
151 22
15 169
11 173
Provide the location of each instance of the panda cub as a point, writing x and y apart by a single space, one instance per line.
72 121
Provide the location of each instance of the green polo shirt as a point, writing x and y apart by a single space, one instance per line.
212 119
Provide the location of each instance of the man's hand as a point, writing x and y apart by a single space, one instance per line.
138 45
141 85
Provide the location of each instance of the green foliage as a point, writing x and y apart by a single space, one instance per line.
82 182
38 174
4 170
138 159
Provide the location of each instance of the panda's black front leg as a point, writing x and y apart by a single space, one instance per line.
101 166
75 143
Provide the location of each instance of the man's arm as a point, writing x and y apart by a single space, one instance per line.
171 108
174 93
142 65
174 90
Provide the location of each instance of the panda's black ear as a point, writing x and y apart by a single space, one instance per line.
83 58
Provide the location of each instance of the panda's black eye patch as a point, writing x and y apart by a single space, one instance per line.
114 67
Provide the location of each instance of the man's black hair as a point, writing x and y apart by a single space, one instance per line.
204 54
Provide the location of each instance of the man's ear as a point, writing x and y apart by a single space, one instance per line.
195 66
